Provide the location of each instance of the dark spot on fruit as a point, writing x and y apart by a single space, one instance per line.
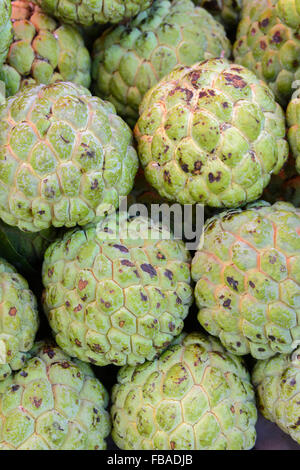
227 303
169 274
82 284
121 248
149 269
12 312
233 283
234 80
126 262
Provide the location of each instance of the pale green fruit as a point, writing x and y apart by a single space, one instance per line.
88 12
277 383
117 292
65 157
43 51
247 276
53 403
211 134
196 396
18 319
131 58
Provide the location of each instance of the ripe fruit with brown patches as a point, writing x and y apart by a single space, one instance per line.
211 133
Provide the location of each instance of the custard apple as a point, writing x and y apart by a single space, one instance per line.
248 279
53 403
25 250
196 396
5 29
43 50
285 186
131 58
293 122
226 11
268 43
18 320
211 133
88 12
65 157
277 383
117 292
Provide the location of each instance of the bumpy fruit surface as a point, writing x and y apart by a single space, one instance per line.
117 292
5 29
211 133
65 157
130 59
25 250
248 279
293 122
43 51
278 391
88 12
195 396
226 11
53 403
268 43
18 319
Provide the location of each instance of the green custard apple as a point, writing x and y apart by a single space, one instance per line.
247 276
131 58
5 29
18 320
53 403
268 43
196 396
117 292
293 123
43 51
65 157
226 11
88 12
277 383
211 134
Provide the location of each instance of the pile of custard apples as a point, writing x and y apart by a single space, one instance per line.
113 332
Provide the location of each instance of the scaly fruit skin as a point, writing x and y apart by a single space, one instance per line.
196 396
293 122
211 133
285 186
25 250
278 391
248 279
268 43
43 51
65 157
114 299
88 12
226 11
53 403
130 59
18 319
5 29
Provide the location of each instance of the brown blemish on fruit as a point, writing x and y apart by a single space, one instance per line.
233 283
78 343
78 308
169 274
37 402
234 80
126 262
122 248
82 284
12 312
